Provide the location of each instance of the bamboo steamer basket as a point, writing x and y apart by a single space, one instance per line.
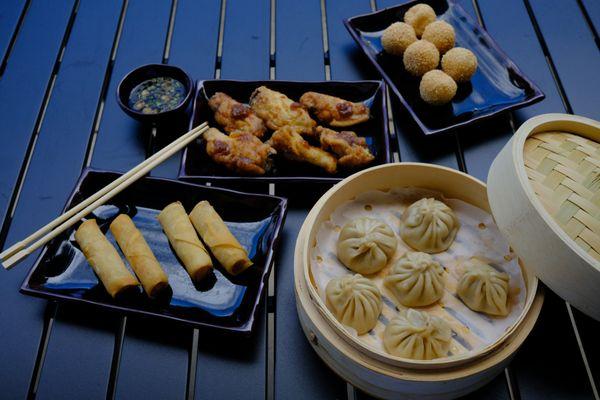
385 381
544 191
453 184
380 376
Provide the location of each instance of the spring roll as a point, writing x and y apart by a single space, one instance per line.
224 246
185 241
140 257
104 258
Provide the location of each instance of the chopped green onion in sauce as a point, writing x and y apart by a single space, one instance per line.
157 95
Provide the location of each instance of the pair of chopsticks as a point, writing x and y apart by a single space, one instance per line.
18 251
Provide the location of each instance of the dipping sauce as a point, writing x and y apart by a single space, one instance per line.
157 95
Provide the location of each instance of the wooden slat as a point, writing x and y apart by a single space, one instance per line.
246 40
79 352
484 141
49 180
10 14
299 51
592 8
297 366
193 48
154 360
539 380
347 61
416 147
32 61
232 368
573 52
588 330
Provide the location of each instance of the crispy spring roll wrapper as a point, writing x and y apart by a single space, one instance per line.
224 246
104 258
140 257
185 241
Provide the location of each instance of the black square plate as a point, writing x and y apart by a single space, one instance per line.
197 166
497 86
223 302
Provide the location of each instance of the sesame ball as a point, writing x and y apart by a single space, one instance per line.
419 16
460 64
437 88
397 37
441 34
420 57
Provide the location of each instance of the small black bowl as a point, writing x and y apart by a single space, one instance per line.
143 73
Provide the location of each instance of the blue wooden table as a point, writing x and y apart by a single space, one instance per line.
61 62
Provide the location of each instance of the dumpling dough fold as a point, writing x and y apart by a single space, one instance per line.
428 225
365 245
417 335
355 301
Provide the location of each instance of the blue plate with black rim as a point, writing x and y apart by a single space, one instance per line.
197 166
497 86
220 301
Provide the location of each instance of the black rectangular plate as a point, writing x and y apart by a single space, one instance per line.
223 302
497 86
197 166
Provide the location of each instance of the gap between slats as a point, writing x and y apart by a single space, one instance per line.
589 22
13 38
270 306
219 57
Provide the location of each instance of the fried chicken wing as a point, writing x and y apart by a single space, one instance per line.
333 110
351 149
239 152
278 110
293 146
234 116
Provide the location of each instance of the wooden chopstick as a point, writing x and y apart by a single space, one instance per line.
19 251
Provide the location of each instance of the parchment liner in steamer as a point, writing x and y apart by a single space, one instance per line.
478 236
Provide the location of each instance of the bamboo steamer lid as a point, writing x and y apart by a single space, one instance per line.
544 193
386 381
563 170
453 184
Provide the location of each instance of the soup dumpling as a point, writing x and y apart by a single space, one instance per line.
365 245
417 335
428 225
483 288
355 301
416 280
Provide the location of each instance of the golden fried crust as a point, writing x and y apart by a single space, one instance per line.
293 146
239 152
234 116
333 110
278 110
351 149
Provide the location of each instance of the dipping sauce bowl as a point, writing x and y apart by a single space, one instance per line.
155 93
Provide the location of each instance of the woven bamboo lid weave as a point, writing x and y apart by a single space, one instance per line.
564 172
